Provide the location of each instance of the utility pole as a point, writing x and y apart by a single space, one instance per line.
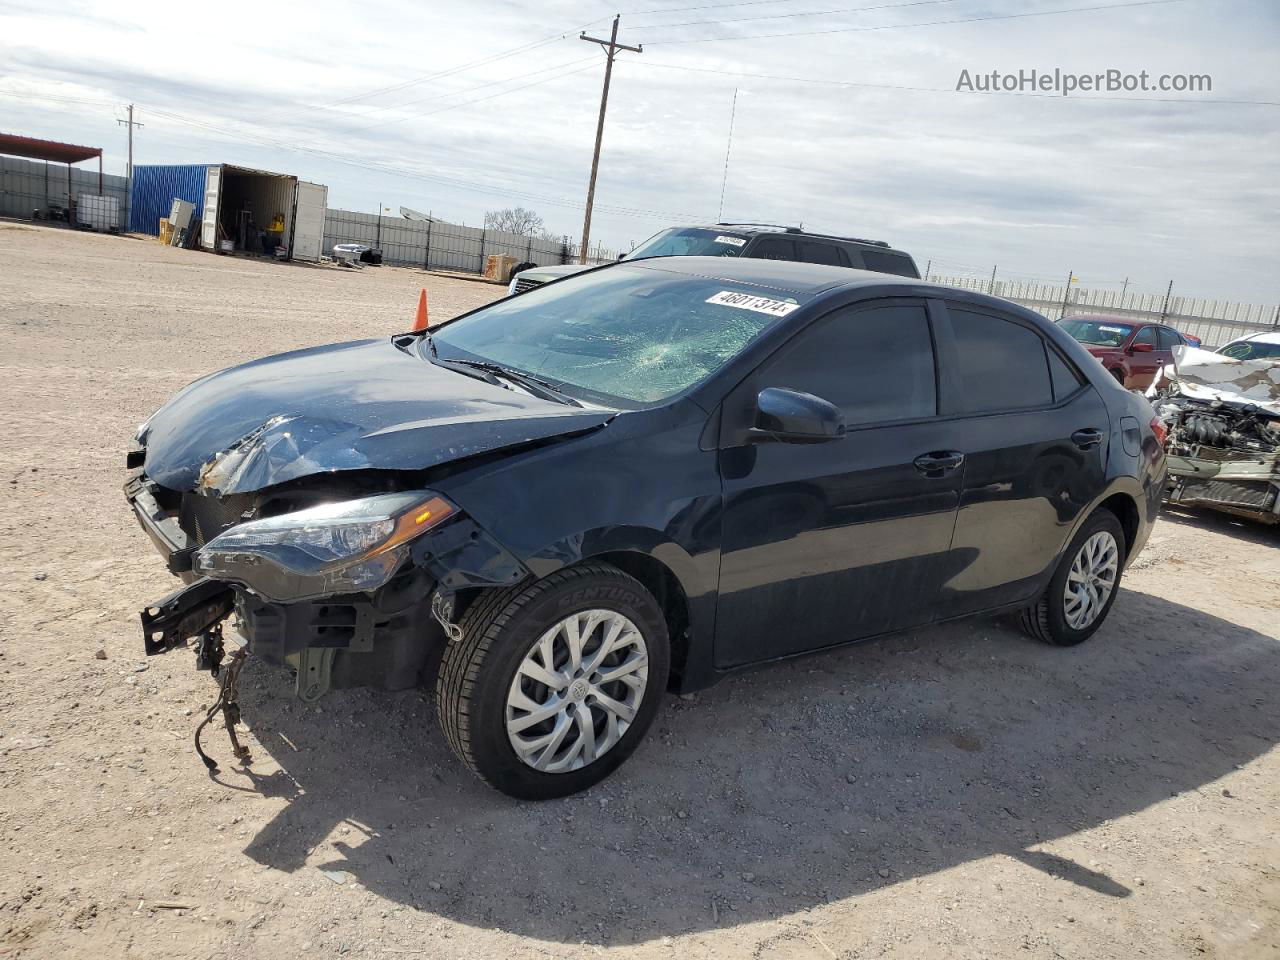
130 123
733 112
610 48
991 287
1066 294
1164 311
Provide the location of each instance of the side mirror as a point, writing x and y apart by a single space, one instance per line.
1142 348
790 416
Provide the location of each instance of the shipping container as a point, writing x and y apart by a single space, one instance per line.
254 211
156 187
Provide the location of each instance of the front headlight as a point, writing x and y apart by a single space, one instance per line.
346 547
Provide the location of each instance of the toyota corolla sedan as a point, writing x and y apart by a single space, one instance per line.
563 505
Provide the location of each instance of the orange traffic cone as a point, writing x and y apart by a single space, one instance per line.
420 319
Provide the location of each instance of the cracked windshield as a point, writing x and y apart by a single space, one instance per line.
626 333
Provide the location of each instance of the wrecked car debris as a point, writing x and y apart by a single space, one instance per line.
1223 421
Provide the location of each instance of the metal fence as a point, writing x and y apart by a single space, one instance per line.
436 245
27 186
1216 322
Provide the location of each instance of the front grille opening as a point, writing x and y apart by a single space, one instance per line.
203 518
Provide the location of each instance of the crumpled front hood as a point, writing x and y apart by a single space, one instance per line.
348 406
1202 375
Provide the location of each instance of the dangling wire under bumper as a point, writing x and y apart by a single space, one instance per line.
228 702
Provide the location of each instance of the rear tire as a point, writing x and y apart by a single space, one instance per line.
1068 613
515 662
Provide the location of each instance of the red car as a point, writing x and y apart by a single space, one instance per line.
1133 351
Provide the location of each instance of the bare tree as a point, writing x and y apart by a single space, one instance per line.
517 220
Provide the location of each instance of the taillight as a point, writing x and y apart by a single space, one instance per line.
1160 430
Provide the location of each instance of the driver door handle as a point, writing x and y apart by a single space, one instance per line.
1087 437
939 464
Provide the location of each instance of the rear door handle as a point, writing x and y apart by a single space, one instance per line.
1086 438
938 464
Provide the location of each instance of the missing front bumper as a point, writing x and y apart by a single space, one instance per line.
1242 487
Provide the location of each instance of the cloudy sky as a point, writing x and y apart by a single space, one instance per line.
847 118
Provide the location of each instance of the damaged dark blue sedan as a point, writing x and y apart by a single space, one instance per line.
641 478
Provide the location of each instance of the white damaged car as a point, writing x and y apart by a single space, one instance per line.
1222 414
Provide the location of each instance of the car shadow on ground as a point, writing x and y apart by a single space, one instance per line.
777 791
1241 528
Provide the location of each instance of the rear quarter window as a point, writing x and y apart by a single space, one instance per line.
1066 379
884 262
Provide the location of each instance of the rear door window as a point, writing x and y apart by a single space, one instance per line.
812 251
1168 339
1002 363
773 248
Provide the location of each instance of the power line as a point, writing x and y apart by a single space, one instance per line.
425 78
484 61
482 86
949 90
928 23
704 6
55 99
379 167
806 13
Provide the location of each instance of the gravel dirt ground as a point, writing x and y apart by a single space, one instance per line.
955 792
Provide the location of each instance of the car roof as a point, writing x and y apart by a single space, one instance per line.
791 276
772 229
808 280
1264 337
1112 318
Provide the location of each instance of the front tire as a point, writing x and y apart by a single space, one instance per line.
554 683
1084 586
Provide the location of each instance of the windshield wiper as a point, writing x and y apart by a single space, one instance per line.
535 385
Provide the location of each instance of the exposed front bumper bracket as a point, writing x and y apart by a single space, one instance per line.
185 613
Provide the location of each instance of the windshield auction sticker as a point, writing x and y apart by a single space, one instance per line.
747 301
732 241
